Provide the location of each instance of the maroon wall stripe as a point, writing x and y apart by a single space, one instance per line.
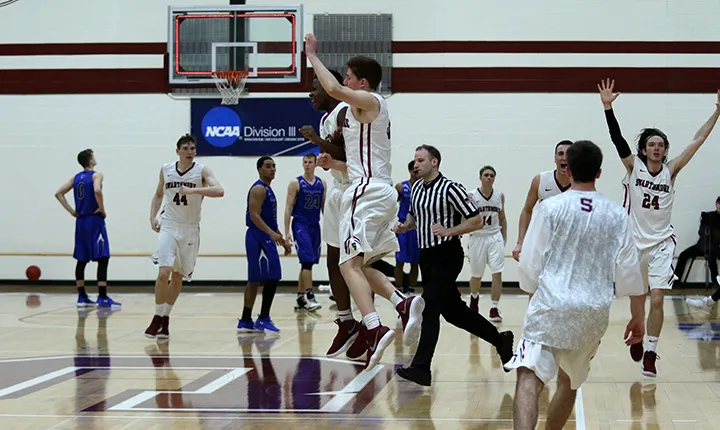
554 79
554 47
33 49
398 47
405 80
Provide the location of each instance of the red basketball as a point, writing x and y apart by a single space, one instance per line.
33 273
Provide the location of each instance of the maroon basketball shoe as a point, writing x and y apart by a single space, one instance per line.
154 327
474 302
411 310
494 315
348 331
164 332
648 364
358 349
377 340
636 351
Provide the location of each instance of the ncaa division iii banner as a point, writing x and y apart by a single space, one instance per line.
254 127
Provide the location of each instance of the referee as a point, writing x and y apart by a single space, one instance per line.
437 206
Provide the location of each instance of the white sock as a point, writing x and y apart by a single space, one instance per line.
396 298
709 302
652 343
475 295
371 320
159 309
494 304
345 315
168 308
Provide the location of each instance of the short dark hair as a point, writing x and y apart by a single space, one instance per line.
411 166
185 139
310 155
262 161
584 160
484 168
366 68
644 136
717 200
563 142
84 157
336 74
433 151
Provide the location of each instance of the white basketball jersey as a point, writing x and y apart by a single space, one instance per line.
490 209
328 126
182 209
367 146
649 201
549 186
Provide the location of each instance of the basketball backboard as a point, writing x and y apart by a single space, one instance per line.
264 40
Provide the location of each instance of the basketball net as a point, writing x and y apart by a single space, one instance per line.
231 85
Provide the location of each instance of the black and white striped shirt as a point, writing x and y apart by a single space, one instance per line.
441 201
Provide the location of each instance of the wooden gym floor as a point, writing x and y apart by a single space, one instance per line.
63 368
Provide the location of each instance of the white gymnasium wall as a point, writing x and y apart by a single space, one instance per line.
134 134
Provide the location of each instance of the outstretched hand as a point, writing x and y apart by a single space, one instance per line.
635 331
607 96
310 44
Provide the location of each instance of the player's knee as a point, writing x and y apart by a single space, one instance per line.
656 299
306 266
80 270
102 269
164 273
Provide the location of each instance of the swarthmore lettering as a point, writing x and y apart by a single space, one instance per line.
489 209
178 184
644 183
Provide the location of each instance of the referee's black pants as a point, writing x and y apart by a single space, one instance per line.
440 267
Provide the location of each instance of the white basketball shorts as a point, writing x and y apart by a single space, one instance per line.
656 264
178 246
486 249
331 215
545 361
369 212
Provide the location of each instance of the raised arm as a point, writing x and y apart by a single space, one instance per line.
356 98
623 149
155 204
97 188
677 163
526 215
257 196
503 220
292 190
60 196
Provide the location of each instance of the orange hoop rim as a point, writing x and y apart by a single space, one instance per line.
234 74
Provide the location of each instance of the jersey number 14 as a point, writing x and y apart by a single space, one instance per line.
178 199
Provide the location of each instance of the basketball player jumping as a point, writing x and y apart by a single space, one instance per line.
261 240
487 245
305 201
649 196
369 205
91 238
408 241
544 185
183 184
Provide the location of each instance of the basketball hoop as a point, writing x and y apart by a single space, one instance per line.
231 85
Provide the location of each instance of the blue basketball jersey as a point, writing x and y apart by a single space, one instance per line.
85 202
308 201
268 212
404 201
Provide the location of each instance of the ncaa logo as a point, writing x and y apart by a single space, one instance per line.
221 126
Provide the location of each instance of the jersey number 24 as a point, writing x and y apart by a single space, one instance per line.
650 202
